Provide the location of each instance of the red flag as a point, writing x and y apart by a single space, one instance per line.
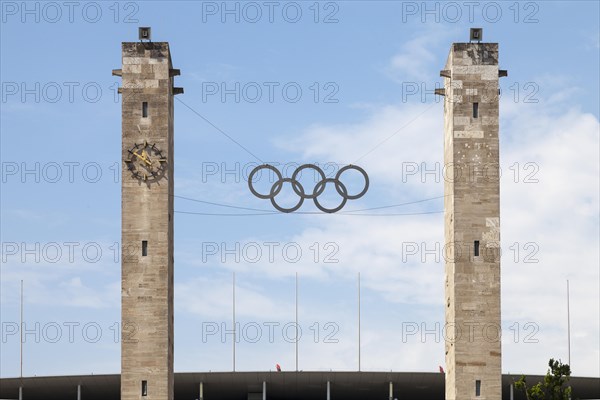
278 367
441 370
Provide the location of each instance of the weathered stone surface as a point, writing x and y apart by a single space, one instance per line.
147 215
472 213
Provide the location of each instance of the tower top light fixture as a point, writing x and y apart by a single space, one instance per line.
145 33
476 34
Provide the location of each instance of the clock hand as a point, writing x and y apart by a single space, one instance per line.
147 157
142 157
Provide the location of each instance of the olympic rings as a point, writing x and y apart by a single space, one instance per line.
315 193
276 188
254 171
338 184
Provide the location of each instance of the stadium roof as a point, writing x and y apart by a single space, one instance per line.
280 385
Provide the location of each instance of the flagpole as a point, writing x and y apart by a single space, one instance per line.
21 330
234 327
359 321
296 321
568 325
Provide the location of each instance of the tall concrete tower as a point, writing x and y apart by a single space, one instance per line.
147 220
472 221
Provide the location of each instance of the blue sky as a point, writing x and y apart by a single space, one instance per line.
364 70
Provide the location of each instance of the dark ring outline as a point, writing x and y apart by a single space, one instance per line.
276 188
254 171
298 170
344 195
364 174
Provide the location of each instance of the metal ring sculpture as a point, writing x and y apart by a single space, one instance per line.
316 192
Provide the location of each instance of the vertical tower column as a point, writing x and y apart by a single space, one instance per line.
147 221
472 222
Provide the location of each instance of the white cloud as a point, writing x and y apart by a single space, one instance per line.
212 298
554 220
389 144
418 57
61 274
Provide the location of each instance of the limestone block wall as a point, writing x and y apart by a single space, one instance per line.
472 223
147 215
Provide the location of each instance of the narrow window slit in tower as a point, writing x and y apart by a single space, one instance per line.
144 388
476 248
144 248
475 110
477 388
145 109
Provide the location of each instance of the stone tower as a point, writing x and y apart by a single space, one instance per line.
147 220
472 222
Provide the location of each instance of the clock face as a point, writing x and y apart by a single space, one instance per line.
146 162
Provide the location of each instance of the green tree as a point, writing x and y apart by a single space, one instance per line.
553 387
